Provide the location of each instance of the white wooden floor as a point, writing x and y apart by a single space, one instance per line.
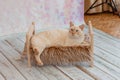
106 62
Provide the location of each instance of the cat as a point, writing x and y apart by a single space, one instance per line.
60 37
36 43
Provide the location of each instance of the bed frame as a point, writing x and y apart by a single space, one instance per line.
59 55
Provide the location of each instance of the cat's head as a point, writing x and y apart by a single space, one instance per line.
76 31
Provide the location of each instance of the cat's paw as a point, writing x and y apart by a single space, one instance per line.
18 58
40 63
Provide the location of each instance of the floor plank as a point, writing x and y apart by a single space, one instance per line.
102 67
107 40
11 54
74 73
108 48
106 35
107 67
16 44
97 73
107 57
1 77
8 71
53 73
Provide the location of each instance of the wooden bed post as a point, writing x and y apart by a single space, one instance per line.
91 33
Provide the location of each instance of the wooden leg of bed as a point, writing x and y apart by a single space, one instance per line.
29 60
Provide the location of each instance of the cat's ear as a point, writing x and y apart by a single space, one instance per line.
81 26
71 24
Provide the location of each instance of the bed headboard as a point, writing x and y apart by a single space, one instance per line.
17 15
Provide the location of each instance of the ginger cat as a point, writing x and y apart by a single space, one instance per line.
62 37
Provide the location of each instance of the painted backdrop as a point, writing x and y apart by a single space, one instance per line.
17 15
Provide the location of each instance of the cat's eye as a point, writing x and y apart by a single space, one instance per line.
76 30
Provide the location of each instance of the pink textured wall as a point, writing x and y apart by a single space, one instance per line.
16 15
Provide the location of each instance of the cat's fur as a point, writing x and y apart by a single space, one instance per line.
61 37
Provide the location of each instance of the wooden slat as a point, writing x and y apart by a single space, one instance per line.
11 54
8 71
106 35
22 38
107 45
107 67
109 70
107 57
96 73
12 35
1 77
16 44
107 40
50 72
74 73
53 73
108 48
